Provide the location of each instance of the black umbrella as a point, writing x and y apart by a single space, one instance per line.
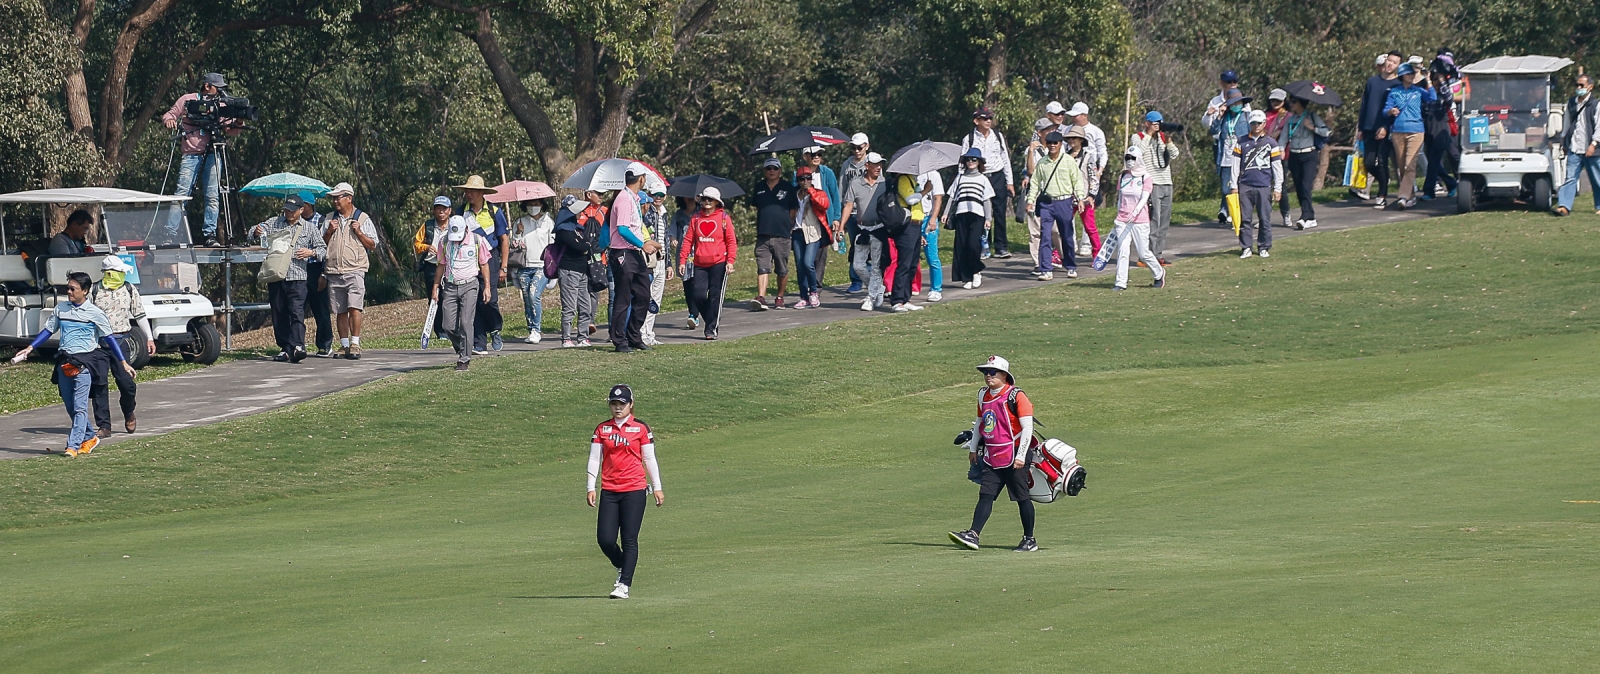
799 138
689 186
1313 91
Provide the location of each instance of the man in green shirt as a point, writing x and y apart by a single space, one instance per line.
1056 192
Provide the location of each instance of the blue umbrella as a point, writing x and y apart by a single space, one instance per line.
285 184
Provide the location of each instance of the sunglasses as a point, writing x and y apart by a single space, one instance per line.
770 168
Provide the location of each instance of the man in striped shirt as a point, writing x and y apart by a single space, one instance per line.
1158 151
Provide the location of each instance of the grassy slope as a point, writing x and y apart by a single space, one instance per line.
1302 503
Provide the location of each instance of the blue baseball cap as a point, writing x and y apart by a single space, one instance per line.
1153 116
1230 77
442 201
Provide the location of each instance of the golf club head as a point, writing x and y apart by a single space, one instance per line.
963 437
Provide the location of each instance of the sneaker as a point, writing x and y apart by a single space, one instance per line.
966 286
211 242
803 303
692 323
1004 255
281 357
1308 224
70 452
900 309
624 349
966 538
1071 273
584 344
328 351
300 354
913 307
935 296
1299 224
866 304
816 300
1361 194
777 302
494 342
1159 283
1118 288
1266 253
977 280
758 303
1246 253
1426 197
712 336
855 287
1027 545
1083 251
1452 195
479 352
568 344
1164 262
1378 203
1222 217
985 255
620 591
88 445
461 367
1047 276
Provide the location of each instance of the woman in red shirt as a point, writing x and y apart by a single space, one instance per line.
709 248
621 453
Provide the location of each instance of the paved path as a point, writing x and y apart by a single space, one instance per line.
242 388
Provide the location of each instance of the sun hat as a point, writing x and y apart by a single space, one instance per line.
1153 116
620 394
1054 108
711 193
859 139
458 229
998 364
1075 132
1235 96
1079 108
1406 69
214 79
342 188
442 201
474 183
115 263
1258 117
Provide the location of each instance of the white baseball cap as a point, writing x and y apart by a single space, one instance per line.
458 229
1079 108
711 193
874 158
1258 117
814 149
858 139
999 364
1054 108
115 263
1134 151
342 188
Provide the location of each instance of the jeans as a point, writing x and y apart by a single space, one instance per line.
1576 164
930 250
532 282
204 167
1225 174
458 304
872 252
577 304
1136 235
1255 204
75 394
1160 217
1055 232
850 232
805 263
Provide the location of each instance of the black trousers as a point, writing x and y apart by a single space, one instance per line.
100 393
906 247
997 236
1303 169
968 247
288 300
488 318
990 483
631 302
621 512
706 294
1376 155
319 307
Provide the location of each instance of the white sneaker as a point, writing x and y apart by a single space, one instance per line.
977 279
866 304
1247 253
1047 276
913 307
620 591
966 286
1362 194
900 309
533 338
935 296
1071 273
692 323
1266 253
1308 224
1299 224
1083 251
1378 203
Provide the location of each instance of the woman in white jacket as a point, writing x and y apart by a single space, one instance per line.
533 232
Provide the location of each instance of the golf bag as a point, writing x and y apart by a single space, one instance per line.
1053 470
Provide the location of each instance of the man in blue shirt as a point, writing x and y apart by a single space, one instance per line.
79 359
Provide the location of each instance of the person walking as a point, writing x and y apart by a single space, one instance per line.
578 225
967 211
1581 140
1157 151
350 236
870 243
288 297
1404 107
1093 161
1001 436
653 206
1277 117
622 454
625 256
1304 135
124 309
422 246
997 166
706 259
825 179
853 166
1054 119
79 360
532 233
1226 129
1057 195
683 210
1439 144
905 240
809 233
1374 126
1260 183
1135 186
1218 111
776 205
932 197
488 221
461 284
319 301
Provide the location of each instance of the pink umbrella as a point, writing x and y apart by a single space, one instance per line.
519 191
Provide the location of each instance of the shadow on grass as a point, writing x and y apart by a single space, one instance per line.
566 596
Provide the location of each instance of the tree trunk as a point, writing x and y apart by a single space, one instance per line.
76 87
533 118
113 96
997 72
585 87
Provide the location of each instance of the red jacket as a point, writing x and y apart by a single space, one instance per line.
711 238
819 205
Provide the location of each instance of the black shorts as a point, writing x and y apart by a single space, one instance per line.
990 480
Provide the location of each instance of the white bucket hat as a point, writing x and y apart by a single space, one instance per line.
115 263
711 193
998 364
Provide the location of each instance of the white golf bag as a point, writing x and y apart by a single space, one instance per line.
1053 470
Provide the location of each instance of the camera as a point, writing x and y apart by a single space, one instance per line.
1170 127
210 111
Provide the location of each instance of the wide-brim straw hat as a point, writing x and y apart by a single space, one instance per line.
475 183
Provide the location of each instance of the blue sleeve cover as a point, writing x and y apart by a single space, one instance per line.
631 236
116 347
43 335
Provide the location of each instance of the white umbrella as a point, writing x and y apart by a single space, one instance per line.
922 157
606 175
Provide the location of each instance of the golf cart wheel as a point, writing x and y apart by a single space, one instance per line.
207 344
1466 195
133 346
1541 194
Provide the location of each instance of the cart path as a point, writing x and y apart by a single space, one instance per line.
242 388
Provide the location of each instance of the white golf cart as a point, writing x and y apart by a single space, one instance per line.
148 231
1508 129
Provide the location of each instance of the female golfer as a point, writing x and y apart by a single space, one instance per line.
79 360
999 447
621 452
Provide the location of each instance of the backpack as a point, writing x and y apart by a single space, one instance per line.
891 214
551 259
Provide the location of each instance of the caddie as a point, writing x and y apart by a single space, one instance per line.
999 449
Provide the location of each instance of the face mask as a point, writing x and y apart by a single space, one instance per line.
535 211
1235 108
1582 93
112 280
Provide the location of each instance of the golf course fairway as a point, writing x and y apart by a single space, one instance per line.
1373 452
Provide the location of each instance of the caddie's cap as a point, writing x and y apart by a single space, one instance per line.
620 394
997 364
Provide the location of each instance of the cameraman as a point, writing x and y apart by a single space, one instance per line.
198 160
1158 151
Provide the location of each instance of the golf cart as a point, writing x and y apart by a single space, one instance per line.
1509 131
149 231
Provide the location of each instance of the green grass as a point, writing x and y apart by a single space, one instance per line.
1319 461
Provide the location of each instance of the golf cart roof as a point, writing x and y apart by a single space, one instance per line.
1517 65
87 195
